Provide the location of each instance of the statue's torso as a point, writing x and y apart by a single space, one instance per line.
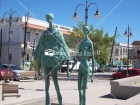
85 50
54 41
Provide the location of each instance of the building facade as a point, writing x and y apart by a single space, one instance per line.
34 30
120 51
136 47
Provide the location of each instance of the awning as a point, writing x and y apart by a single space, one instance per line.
33 26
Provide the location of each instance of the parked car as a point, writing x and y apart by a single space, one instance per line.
3 71
114 68
76 67
15 69
64 66
122 74
124 67
96 66
110 68
100 70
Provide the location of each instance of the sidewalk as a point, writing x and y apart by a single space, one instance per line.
33 93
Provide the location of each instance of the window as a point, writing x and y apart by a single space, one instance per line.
124 51
28 36
56 26
15 68
121 52
36 37
65 28
11 35
125 72
10 56
134 72
27 57
117 52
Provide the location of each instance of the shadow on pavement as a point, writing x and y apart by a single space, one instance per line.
110 96
20 88
107 96
32 89
39 90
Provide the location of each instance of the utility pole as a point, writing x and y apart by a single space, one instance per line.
33 49
25 42
110 61
0 45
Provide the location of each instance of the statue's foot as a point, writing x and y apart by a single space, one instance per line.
47 100
60 99
84 103
81 99
84 100
48 103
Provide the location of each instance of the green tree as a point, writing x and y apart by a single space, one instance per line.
75 36
125 61
101 42
32 66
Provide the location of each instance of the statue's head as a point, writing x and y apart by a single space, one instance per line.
49 17
86 30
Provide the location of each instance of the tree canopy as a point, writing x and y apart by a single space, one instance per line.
101 42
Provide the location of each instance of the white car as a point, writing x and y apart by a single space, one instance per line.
124 67
64 66
76 67
114 68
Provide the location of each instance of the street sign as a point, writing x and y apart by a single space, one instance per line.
131 54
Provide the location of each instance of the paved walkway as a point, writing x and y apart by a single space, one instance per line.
33 93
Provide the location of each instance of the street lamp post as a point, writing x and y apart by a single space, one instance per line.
25 43
0 45
9 33
97 14
128 33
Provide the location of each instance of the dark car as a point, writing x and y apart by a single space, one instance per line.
122 74
3 71
100 70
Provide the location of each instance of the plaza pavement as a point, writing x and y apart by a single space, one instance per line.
33 92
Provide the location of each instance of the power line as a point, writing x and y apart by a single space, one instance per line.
122 40
119 38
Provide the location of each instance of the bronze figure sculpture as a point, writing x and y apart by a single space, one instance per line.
85 51
51 51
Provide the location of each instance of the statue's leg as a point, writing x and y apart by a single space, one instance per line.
47 84
55 80
36 68
80 87
85 80
39 69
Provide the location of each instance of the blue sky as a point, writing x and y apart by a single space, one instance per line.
114 13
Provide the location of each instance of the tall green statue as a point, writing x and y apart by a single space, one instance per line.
51 51
85 51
